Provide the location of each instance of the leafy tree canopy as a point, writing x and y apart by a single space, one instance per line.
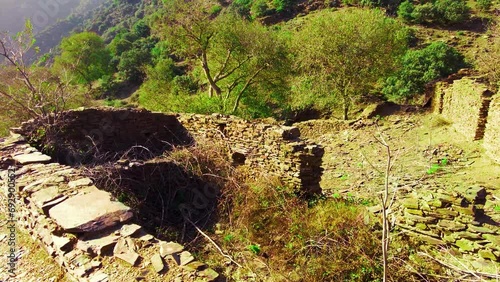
341 55
85 56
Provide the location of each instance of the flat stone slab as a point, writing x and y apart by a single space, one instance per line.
60 242
157 263
35 157
90 212
129 229
103 244
80 182
46 195
124 251
185 258
170 248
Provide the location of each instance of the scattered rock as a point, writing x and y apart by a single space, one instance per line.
170 248
209 274
194 266
157 263
124 252
129 229
185 257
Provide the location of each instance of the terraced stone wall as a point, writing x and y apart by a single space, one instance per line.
473 108
82 227
125 133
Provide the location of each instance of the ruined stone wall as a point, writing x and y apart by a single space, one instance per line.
465 102
464 218
469 103
103 131
80 225
274 149
492 134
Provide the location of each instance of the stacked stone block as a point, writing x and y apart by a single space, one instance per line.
275 149
464 218
466 103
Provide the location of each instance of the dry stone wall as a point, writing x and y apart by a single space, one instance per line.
473 108
492 135
274 149
465 102
79 225
463 218
80 135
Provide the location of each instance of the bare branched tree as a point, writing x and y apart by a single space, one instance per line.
27 91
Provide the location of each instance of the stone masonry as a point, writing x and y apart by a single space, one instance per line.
468 103
464 218
78 224
275 149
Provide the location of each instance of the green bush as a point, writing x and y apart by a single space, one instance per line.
405 11
439 11
484 5
452 11
282 5
420 67
242 7
259 8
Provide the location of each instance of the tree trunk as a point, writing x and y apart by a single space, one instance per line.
346 110
212 85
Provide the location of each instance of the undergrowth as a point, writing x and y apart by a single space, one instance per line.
260 222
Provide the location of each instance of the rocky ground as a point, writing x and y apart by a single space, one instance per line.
426 151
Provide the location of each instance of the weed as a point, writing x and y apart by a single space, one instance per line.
436 167
254 249
228 237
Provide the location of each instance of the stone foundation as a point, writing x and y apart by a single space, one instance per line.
78 224
492 133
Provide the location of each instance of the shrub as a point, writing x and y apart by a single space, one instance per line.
282 5
405 11
440 11
242 7
484 5
452 11
420 67
259 8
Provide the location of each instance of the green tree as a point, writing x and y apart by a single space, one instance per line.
234 54
85 56
420 67
343 54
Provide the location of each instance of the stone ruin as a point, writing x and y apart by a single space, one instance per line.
53 190
78 222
